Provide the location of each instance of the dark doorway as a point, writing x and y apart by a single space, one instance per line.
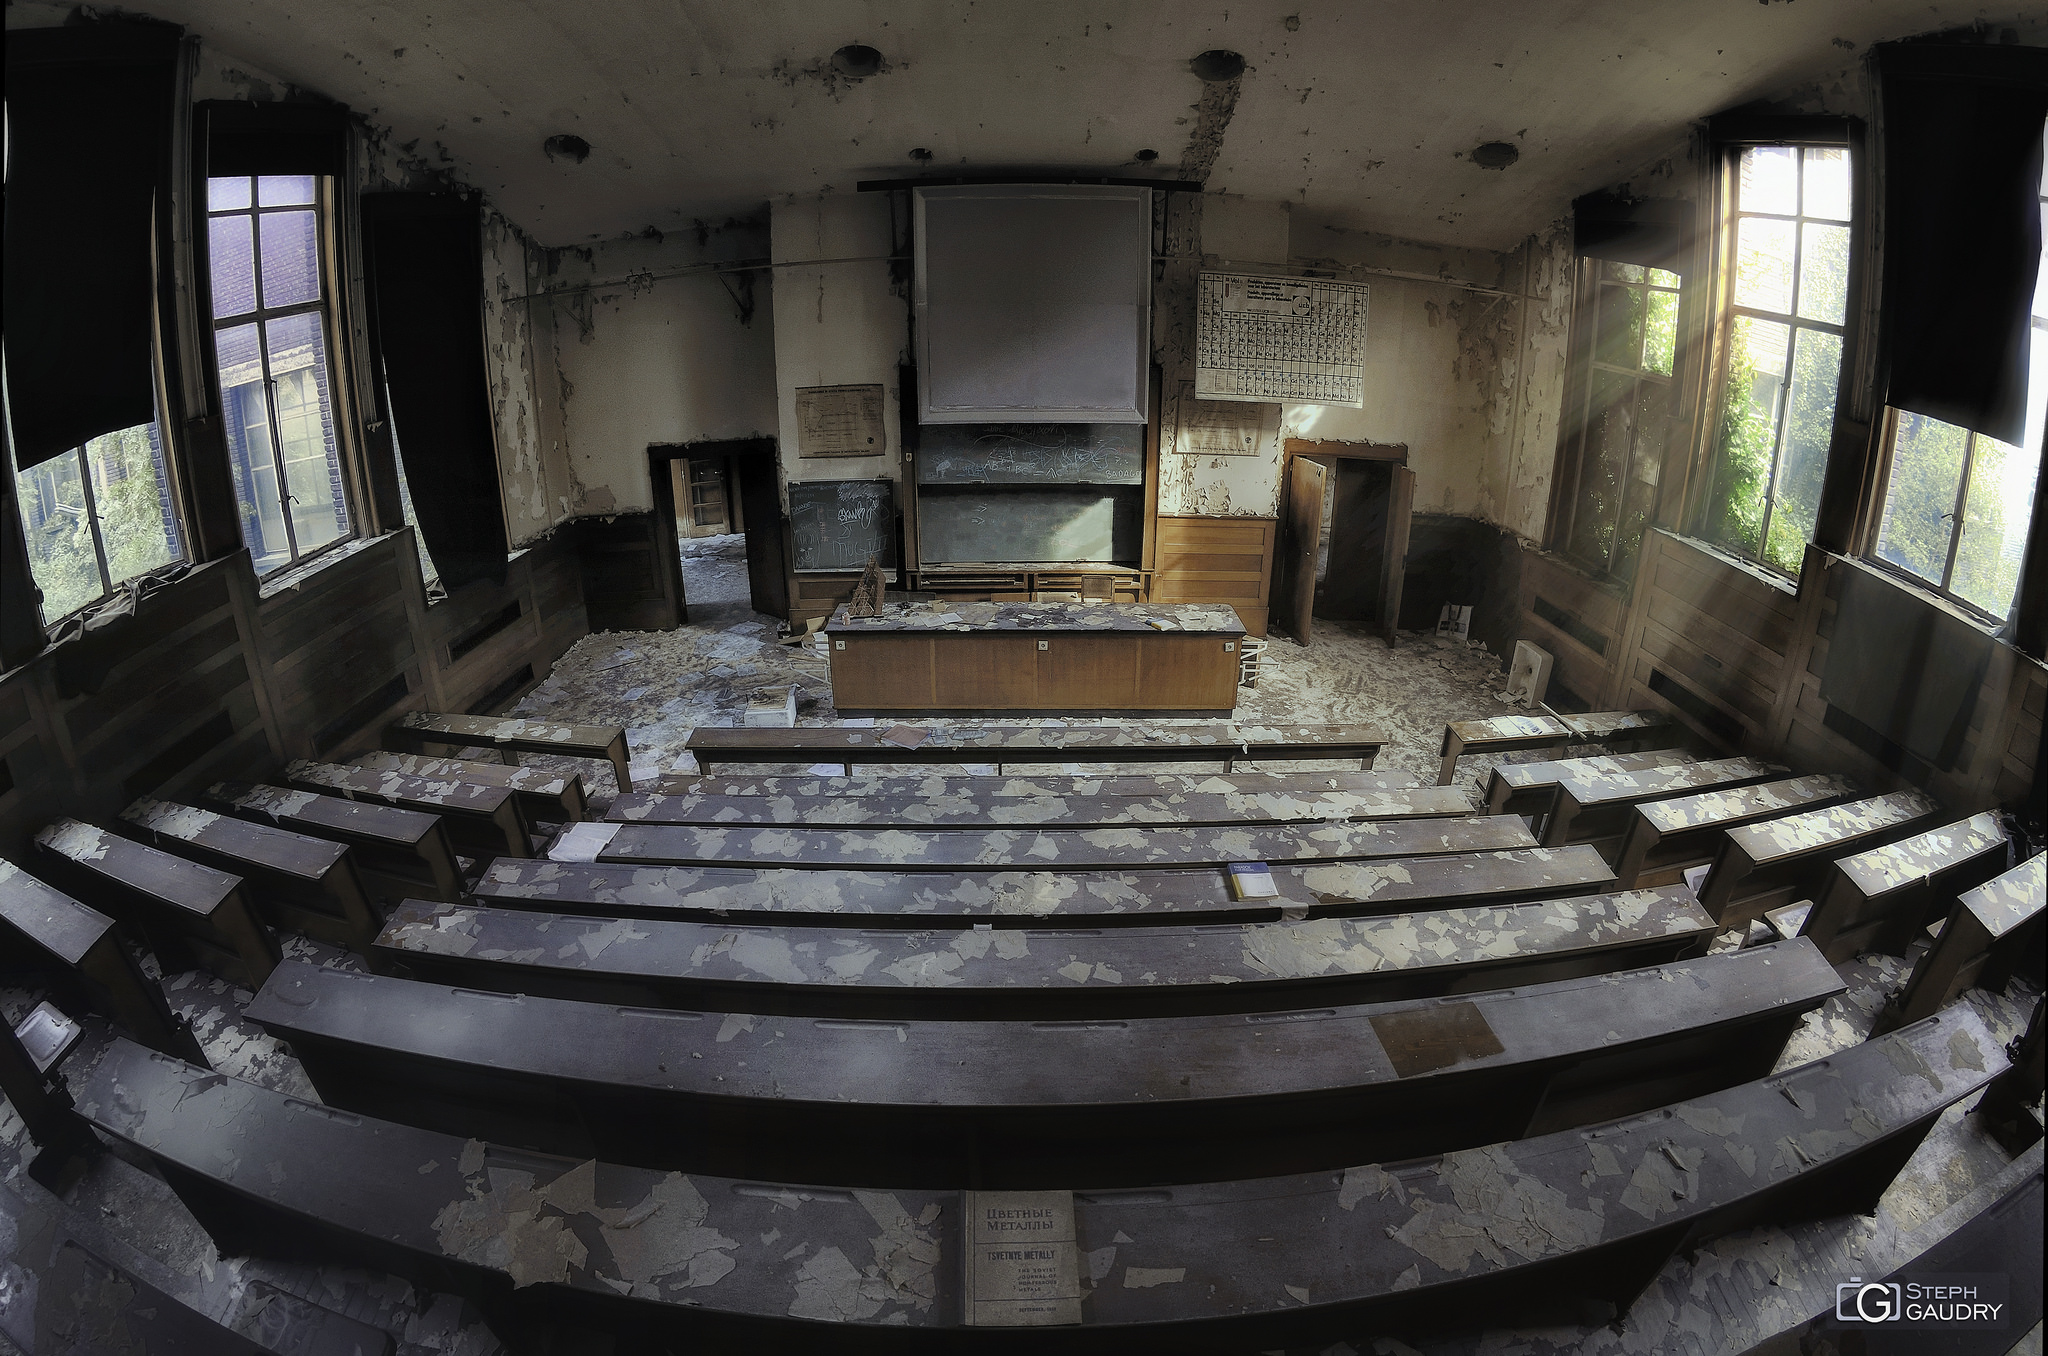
716 506
1344 535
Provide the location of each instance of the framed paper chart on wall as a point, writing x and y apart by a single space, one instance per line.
1300 340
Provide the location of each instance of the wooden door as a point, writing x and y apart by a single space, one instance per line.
1400 504
1302 519
761 507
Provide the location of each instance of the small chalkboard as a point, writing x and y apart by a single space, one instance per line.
842 524
1031 454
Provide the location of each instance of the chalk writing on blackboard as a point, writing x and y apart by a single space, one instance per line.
842 524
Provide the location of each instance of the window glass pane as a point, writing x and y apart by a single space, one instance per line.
1602 462
60 554
1827 183
1620 334
1803 456
231 261
1639 495
2041 283
1660 278
1769 180
1660 332
131 490
291 259
1624 272
1823 272
1763 264
1927 469
284 190
1995 516
1748 432
305 424
226 195
247 418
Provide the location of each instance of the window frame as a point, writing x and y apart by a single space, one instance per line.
333 310
1585 364
171 490
1728 138
1872 528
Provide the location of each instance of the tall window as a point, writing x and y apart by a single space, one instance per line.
1786 282
96 517
1957 504
267 247
1614 455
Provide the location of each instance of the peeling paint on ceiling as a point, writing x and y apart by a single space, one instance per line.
1362 115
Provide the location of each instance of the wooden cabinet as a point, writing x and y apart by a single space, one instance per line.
1216 560
1043 671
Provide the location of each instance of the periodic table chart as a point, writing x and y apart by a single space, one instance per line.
1272 339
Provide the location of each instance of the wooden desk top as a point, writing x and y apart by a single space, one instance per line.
1200 618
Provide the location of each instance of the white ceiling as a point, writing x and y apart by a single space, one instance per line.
1359 113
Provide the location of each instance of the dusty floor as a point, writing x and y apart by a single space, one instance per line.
1722 1299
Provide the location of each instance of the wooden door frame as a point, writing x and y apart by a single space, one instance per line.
1328 453
662 487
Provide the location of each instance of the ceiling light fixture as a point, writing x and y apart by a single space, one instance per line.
1217 64
1148 154
856 61
1495 154
562 146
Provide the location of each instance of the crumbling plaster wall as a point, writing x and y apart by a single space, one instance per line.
842 318
1465 360
655 339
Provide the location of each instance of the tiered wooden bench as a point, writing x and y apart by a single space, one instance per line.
482 821
2011 1109
400 853
1529 789
1979 943
1033 1105
65 1138
1023 975
911 782
1759 867
758 1265
916 900
1664 837
433 732
545 796
970 810
1879 900
194 916
1047 849
1595 807
307 884
78 949
1130 742
1549 730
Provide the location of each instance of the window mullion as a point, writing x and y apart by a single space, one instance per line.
1955 519
92 520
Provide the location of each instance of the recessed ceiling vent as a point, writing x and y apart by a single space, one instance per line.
856 61
1217 64
562 146
1495 154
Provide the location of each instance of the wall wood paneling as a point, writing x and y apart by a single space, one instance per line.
213 678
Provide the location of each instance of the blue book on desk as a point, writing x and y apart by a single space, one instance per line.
1252 880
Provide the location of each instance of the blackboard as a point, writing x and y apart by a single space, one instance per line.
1031 454
1044 525
840 524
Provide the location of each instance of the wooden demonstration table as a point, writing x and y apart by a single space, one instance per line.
936 657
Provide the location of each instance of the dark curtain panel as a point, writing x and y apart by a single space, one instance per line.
295 138
1653 232
1905 668
423 253
90 138
1962 227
